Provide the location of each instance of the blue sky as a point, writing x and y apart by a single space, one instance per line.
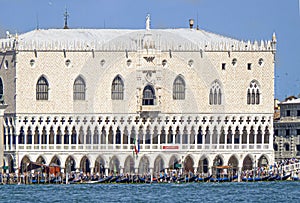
244 20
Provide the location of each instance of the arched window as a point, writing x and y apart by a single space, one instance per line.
211 101
79 89
215 94
248 97
1 90
148 95
117 89
253 93
179 88
42 88
286 147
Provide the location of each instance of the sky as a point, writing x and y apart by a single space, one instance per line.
239 19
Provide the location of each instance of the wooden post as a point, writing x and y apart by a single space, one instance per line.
2 109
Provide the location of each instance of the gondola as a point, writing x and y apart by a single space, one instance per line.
122 180
232 178
142 180
204 179
190 179
249 179
105 180
207 178
114 179
273 178
224 179
285 177
213 179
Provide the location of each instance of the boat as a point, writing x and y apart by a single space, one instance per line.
105 180
122 180
249 179
273 178
190 179
204 179
285 177
114 179
232 178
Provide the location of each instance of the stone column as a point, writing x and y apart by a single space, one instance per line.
2 109
151 174
92 170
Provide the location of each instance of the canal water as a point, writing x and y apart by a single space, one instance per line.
285 191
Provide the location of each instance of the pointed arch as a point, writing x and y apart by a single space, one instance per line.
174 161
259 136
189 164
203 165
215 93
85 165
42 88
41 160
70 164
267 135
100 165
114 165
247 163
55 160
159 164
129 165
253 93
117 88
179 88
118 136
79 89
263 161
233 162
58 135
88 136
251 135
207 135
24 162
143 165
218 161
149 95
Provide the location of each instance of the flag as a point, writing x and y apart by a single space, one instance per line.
136 146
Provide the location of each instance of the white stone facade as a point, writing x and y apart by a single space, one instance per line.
196 131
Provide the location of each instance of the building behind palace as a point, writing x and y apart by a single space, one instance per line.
287 129
81 98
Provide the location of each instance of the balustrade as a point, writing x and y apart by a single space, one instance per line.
143 147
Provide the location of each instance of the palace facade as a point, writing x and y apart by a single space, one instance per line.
187 98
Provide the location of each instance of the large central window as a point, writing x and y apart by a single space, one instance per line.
117 89
179 88
148 95
42 88
79 89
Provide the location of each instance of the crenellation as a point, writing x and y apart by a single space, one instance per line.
77 45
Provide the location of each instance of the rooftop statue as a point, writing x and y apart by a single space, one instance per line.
148 22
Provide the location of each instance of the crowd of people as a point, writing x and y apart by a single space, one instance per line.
278 168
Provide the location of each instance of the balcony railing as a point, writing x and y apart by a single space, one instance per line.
143 147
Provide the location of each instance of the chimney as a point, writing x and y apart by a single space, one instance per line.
191 23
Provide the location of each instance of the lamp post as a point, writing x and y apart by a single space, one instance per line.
254 165
68 170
